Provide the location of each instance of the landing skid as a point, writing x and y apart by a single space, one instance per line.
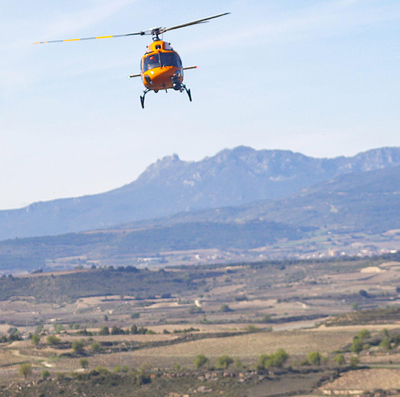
188 92
142 97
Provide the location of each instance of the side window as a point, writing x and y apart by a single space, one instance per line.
179 61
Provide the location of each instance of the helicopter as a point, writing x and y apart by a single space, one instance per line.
161 66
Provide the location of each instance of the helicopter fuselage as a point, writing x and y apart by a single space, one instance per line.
161 67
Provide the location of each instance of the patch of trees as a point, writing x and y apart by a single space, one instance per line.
13 335
134 330
372 316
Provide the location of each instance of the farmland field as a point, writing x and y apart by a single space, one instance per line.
237 313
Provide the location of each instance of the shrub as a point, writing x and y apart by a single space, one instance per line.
262 359
78 347
135 330
104 331
385 344
14 334
357 345
200 360
237 363
101 370
279 358
339 359
117 330
35 339
45 374
74 326
251 328
276 359
225 308
314 358
266 318
354 361
95 347
25 369
84 332
224 361
386 333
84 362
53 340
363 334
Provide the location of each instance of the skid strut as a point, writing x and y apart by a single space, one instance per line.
187 92
183 87
142 98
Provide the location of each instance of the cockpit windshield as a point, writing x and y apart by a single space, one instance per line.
161 59
151 61
170 59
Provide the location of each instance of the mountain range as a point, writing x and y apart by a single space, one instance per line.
356 202
233 177
366 203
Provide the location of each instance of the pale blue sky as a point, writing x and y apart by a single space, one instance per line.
317 77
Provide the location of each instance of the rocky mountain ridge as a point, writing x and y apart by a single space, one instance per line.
230 178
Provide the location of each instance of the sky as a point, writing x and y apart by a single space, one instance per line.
316 77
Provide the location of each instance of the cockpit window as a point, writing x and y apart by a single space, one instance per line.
161 59
170 59
151 61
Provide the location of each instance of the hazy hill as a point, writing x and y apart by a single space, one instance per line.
230 178
362 202
34 252
355 202
358 202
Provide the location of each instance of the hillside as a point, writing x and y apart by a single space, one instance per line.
366 202
34 252
355 202
74 285
230 178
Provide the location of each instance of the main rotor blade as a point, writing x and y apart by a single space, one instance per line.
162 30
92 38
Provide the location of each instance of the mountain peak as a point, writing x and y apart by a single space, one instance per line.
230 178
161 165
169 159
